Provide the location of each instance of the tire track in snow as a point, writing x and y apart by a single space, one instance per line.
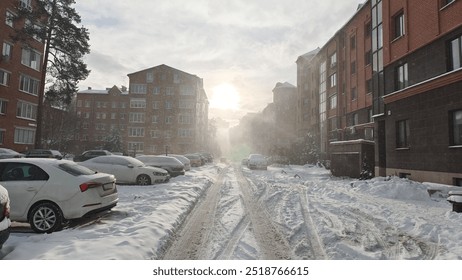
271 242
192 237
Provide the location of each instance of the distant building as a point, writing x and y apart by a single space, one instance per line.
285 117
20 81
164 110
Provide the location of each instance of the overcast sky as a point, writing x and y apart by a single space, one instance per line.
248 44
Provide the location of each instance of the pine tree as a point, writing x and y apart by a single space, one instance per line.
54 22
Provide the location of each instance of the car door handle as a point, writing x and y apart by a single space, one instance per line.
31 189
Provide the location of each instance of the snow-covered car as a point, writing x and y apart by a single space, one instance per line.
195 160
47 192
186 162
9 153
127 170
4 216
43 153
257 161
173 166
91 154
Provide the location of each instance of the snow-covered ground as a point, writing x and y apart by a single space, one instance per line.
320 216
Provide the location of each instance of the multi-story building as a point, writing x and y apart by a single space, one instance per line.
285 106
307 93
422 118
165 110
20 80
335 95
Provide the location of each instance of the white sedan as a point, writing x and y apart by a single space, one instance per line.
47 192
127 170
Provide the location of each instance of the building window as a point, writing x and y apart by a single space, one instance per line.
138 88
354 119
149 77
184 119
353 94
26 110
136 118
402 134
353 42
9 19
169 91
456 127
24 136
185 133
87 104
7 51
333 80
4 78
333 101
29 85
137 103
402 76
154 119
168 105
31 58
169 120
398 25
136 132
156 90
2 136
368 29
368 57
455 54
333 60
3 106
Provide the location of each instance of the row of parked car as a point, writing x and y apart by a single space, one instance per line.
47 192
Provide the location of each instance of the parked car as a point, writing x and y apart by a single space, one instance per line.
186 162
43 153
127 170
5 222
9 153
173 166
195 159
47 192
257 161
207 156
91 154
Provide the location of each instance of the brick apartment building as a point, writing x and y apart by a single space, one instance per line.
335 96
422 116
20 79
165 110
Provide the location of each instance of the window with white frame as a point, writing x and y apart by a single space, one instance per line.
455 53
31 58
149 77
401 76
24 135
9 18
138 103
4 77
169 91
136 146
186 104
7 51
186 90
136 117
402 134
333 60
168 119
154 118
26 110
156 105
136 132
155 133
3 106
176 78
29 84
156 90
398 25
333 101
168 105
333 80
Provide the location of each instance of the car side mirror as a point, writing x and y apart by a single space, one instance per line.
130 165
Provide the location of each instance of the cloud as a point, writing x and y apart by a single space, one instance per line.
252 44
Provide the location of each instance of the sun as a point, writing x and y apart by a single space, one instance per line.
225 96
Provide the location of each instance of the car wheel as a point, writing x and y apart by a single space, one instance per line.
45 217
143 180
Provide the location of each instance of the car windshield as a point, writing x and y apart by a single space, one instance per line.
75 169
134 161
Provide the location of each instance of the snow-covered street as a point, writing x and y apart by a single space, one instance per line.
287 212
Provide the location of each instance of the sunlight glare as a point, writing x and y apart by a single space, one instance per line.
225 96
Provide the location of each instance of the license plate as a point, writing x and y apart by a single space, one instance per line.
107 187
